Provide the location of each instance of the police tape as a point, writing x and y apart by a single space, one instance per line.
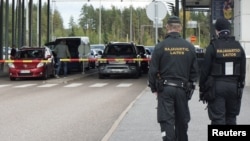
77 60
24 61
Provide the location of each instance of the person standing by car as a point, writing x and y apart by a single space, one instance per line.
172 73
13 52
222 76
62 52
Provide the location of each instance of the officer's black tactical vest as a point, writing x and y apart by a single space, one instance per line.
227 50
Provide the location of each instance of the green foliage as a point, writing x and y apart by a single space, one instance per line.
115 25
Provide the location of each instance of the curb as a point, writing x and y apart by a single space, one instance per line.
120 118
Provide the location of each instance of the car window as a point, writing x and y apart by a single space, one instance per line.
120 49
141 49
30 54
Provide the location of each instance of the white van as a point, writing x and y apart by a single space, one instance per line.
79 48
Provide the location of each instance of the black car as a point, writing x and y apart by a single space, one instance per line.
120 58
144 55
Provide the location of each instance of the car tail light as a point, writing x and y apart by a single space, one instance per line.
11 65
130 61
102 60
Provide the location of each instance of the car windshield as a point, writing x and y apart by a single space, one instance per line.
120 50
30 54
100 46
141 49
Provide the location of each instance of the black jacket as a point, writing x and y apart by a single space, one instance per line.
173 58
208 61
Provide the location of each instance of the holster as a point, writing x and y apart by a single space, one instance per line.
190 87
159 85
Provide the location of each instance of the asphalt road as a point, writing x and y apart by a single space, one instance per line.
80 110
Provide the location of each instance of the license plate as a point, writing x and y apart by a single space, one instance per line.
25 71
116 70
117 62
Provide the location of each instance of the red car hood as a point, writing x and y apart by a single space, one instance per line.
27 65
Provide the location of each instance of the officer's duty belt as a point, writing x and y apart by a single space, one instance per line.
174 83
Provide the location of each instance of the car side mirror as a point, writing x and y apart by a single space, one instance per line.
148 53
99 52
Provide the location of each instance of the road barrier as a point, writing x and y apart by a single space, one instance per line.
77 60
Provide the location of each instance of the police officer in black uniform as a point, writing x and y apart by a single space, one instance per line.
223 75
173 68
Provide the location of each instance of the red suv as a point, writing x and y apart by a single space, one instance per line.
32 62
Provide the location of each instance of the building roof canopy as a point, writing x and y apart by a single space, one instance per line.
196 3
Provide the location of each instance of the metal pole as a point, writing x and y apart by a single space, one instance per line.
23 29
48 21
131 22
37 24
184 18
199 34
6 29
156 22
13 23
27 22
19 24
177 7
52 20
1 30
100 23
18 16
30 21
40 22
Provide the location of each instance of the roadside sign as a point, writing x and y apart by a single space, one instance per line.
156 10
193 39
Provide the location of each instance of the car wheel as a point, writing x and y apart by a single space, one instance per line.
12 78
138 73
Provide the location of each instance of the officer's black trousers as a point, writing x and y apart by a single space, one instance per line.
226 105
173 114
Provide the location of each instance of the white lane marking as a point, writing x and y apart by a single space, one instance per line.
124 85
25 85
73 85
98 85
4 85
47 85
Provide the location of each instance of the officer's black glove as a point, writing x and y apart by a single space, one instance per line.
202 97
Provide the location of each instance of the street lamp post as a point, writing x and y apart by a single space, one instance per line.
199 28
100 22
131 15
52 19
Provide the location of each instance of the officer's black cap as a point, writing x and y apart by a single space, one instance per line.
174 19
222 24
